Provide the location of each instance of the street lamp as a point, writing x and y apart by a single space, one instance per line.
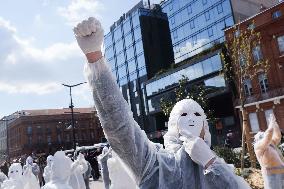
72 112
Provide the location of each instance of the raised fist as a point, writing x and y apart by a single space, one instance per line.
272 121
89 34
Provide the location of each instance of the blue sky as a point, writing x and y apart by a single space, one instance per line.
38 51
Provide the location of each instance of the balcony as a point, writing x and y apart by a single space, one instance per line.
262 96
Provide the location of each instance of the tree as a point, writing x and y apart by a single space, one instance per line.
242 61
195 92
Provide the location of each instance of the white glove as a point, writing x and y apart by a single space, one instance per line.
198 150
89 34
272 121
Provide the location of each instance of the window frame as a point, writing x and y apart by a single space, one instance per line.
263 83
279 43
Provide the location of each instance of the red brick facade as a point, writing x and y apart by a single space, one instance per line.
46 131
270 24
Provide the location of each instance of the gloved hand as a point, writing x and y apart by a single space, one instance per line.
89 34
198 150
81 157
272 121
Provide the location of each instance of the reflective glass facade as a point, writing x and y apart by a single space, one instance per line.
124 50
194 71
208 69
134 56
197 25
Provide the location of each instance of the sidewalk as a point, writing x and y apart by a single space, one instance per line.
96 184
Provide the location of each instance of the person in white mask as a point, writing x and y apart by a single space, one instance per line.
19 179
60 172
79 167
47 169
191 165
34 166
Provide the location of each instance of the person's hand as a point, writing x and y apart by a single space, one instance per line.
198 150
81 157
89 34
272 121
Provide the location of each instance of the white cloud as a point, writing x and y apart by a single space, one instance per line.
6 24
26 69
29 88
78 10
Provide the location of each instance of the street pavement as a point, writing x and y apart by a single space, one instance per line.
96 184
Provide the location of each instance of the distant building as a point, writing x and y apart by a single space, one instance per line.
265 93
137 47
4 122
46 131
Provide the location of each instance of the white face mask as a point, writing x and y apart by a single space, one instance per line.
15 171
49 160
190 115
193 121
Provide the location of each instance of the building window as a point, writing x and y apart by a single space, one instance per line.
29 130
280 41
257 54
251 26
210 32
276 14
242 60
173 20
248 87
30 140
67 137
49 139
237 33
263 82
219 8
267 115
194 39
204 2
189 10
207 15
254 122
59 138
170 6
192 24
175 34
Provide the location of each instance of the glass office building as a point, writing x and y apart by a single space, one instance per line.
197 25
197 33
135 56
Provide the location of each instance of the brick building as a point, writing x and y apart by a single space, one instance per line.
46 131
265 92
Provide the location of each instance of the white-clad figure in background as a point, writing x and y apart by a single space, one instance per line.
192 164
15 177
119 177
102 160
60 172
19 180
47 169
34 166
3 177
269 156
79 167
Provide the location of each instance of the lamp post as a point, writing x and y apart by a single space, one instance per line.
72 112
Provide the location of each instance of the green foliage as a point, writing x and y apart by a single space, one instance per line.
195 92
232 157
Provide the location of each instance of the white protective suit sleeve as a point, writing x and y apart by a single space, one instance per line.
123 133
